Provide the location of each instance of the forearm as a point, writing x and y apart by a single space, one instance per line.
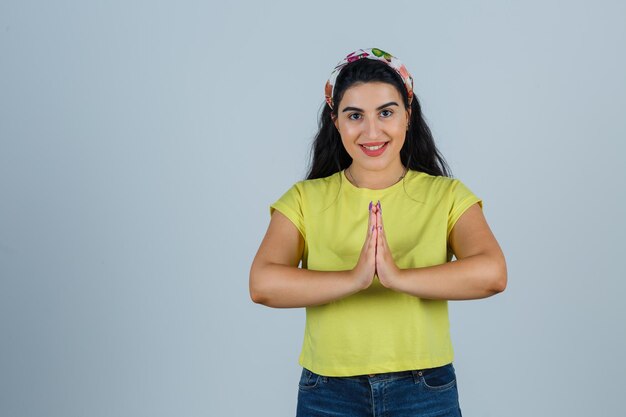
283 286
473 277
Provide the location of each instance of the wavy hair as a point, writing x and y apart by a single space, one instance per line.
418 153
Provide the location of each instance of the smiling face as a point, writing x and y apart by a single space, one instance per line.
372 122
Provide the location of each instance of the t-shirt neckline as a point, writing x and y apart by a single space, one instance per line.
364 190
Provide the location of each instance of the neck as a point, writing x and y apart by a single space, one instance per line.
375 180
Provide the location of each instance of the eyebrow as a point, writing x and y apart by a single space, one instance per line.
391 103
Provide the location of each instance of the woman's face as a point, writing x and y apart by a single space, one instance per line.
372 122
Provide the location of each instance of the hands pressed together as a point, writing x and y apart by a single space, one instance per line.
375 257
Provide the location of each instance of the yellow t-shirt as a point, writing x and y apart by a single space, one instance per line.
376 330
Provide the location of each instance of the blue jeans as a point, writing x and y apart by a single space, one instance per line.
426 392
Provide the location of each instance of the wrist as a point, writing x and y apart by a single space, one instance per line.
397 280
356 282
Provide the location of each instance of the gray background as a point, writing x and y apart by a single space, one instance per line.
141 144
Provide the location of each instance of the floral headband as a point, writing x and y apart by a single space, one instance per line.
372 53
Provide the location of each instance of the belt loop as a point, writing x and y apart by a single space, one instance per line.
416 375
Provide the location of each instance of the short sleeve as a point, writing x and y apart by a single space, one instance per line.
290 204
461 199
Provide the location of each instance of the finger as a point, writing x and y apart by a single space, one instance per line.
369 221
373 231
382 238
373 222
381 230
374 237
375 212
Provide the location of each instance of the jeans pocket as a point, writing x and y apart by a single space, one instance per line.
308 379
438 379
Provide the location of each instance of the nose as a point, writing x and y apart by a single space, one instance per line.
373 129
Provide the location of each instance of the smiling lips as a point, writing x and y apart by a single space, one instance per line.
374 148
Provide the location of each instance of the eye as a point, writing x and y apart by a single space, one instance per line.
354 114
386 113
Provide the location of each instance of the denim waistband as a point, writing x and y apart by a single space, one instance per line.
415 373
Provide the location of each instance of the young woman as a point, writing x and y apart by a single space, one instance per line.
375 226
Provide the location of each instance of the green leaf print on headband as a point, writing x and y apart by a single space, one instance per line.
380 53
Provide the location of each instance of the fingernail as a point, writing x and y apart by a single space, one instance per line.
370 206
380 207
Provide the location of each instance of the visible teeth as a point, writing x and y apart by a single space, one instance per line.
373 148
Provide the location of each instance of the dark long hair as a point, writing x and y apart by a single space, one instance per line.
418 153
